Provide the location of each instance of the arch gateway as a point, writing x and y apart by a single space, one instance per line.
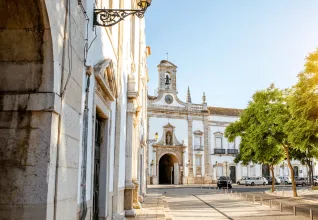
194 133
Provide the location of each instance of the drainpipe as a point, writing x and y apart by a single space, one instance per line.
84 146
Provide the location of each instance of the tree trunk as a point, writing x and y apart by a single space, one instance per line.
273 177
291 171
311 181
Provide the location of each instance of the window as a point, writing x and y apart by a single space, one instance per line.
218 142
232 145
198 160
197 141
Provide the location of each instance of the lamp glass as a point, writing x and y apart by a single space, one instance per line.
156 136
144 4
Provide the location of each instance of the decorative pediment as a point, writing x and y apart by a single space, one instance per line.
105 77
169 138
168 126
198 132
218 133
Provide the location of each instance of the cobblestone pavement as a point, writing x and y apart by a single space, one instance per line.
204 204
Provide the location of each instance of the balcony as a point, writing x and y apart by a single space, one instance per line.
219 151
198 148
232 151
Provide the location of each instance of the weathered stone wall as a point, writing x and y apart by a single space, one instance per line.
27 104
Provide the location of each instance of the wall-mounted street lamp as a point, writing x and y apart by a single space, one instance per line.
149 141
152 163
110 17
187 164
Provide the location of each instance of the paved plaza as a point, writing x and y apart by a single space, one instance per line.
206 204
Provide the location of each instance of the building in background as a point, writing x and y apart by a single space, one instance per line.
191 147
73 111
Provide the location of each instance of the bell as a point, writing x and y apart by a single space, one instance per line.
167 82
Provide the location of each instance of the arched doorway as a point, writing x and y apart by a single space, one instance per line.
265 170
27 137
168 169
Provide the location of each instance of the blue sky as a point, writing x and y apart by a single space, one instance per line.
230 48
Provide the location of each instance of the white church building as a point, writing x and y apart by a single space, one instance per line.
191 147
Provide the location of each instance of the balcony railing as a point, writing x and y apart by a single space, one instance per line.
232 151
198 147
219 151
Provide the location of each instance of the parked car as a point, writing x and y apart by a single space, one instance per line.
316 181
301 181
255 181
241 181
224 182
285 180
270 181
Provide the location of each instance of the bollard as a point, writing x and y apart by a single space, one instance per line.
294 208
261 199
280 206
246 197
270 203
253 199
311 217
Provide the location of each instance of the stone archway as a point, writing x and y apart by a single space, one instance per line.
27 142
168 169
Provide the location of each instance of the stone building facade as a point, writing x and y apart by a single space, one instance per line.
73 111
191 147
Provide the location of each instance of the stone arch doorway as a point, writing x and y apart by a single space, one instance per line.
27 137
168 169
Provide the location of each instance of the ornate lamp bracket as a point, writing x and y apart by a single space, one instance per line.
110 17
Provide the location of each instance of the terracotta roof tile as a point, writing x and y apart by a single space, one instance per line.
225 111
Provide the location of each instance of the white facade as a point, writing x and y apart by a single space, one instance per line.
73 112
198 147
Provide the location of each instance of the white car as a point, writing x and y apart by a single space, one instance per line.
285 180
255 181
241 181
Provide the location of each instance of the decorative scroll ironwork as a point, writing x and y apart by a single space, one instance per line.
219 151
232 151
109 17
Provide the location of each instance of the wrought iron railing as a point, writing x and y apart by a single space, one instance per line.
232 151
198 147
219 151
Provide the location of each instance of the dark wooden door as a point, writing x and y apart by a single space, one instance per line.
233 174
96 168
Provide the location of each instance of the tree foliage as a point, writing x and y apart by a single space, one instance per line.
302 129
261 127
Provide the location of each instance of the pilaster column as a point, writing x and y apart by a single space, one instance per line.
207 149
190 148
184 166
129 185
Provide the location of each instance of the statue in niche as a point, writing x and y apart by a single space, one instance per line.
168 139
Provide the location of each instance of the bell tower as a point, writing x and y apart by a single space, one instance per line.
167 77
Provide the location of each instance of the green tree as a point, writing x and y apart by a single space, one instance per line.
302 128
253 147
261 126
